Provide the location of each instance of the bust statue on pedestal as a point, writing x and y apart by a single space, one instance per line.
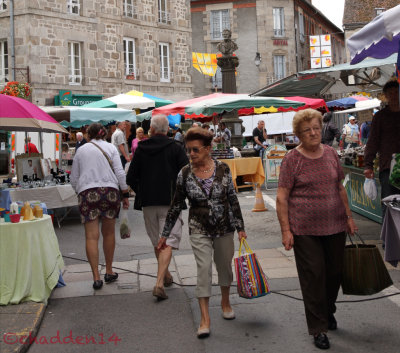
227 46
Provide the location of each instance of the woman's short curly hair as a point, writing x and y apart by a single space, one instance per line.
305 115
139 129
96 131
198 133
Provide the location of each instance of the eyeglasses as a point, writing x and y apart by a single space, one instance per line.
316 129
194 149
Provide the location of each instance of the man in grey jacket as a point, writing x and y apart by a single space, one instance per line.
329 130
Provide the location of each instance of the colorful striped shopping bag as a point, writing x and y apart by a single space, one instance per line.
251 280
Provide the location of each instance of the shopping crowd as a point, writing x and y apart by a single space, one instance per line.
171 173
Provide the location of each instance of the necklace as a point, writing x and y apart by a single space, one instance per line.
206 170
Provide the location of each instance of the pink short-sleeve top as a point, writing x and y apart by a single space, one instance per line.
314 206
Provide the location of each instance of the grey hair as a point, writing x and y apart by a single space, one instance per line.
159 123
79 134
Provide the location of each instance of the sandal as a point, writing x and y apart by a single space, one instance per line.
108 278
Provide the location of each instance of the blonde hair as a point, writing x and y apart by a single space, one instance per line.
139 129
303 116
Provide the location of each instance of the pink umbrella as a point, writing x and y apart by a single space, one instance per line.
17 114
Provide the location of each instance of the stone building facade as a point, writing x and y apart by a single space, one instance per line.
272 35
103 47
357 13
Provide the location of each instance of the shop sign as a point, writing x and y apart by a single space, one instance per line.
67 98
280 42
361 203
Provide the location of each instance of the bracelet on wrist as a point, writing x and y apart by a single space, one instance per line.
125 195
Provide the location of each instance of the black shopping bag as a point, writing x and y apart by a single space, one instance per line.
364 272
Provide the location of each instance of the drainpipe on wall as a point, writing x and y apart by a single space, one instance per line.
12 39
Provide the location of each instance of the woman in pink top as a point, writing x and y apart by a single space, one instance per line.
314 215
135 141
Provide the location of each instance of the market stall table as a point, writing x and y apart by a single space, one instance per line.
58 196
30 261
250 168
358 201
390 234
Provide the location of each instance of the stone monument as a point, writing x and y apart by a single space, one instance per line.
228 63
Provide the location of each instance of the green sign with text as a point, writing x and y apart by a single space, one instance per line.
67 98
361 203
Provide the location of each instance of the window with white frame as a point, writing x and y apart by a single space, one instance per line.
75 63
279 67
163 14
220 20
165 73
279 21
3 60
130 8
379 10
74 6
301 27
130 58
3 5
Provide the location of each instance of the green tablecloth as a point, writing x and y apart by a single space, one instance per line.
30 261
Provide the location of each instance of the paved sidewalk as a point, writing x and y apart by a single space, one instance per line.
137 277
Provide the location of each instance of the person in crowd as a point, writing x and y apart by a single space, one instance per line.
30 147
132 135
351 133
314 216
214 215
96 177
139 137
224 135
119 141
329 130
178 135
259 138
152 176
206 126
384 138
195 125
80 140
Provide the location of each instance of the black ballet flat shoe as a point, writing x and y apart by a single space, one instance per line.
110 278
332 323
321 341
97 284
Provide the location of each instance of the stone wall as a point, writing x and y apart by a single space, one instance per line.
43 29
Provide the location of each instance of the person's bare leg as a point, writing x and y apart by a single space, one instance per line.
108 232
164 258
205 316
167 274
225 303
92 246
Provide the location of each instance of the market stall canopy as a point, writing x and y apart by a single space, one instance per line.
205 107
314 103
17 114
333 80
362 105
378 39
78 116
346 102
130 100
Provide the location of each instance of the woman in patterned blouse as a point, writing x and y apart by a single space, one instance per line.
214 215
314 215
